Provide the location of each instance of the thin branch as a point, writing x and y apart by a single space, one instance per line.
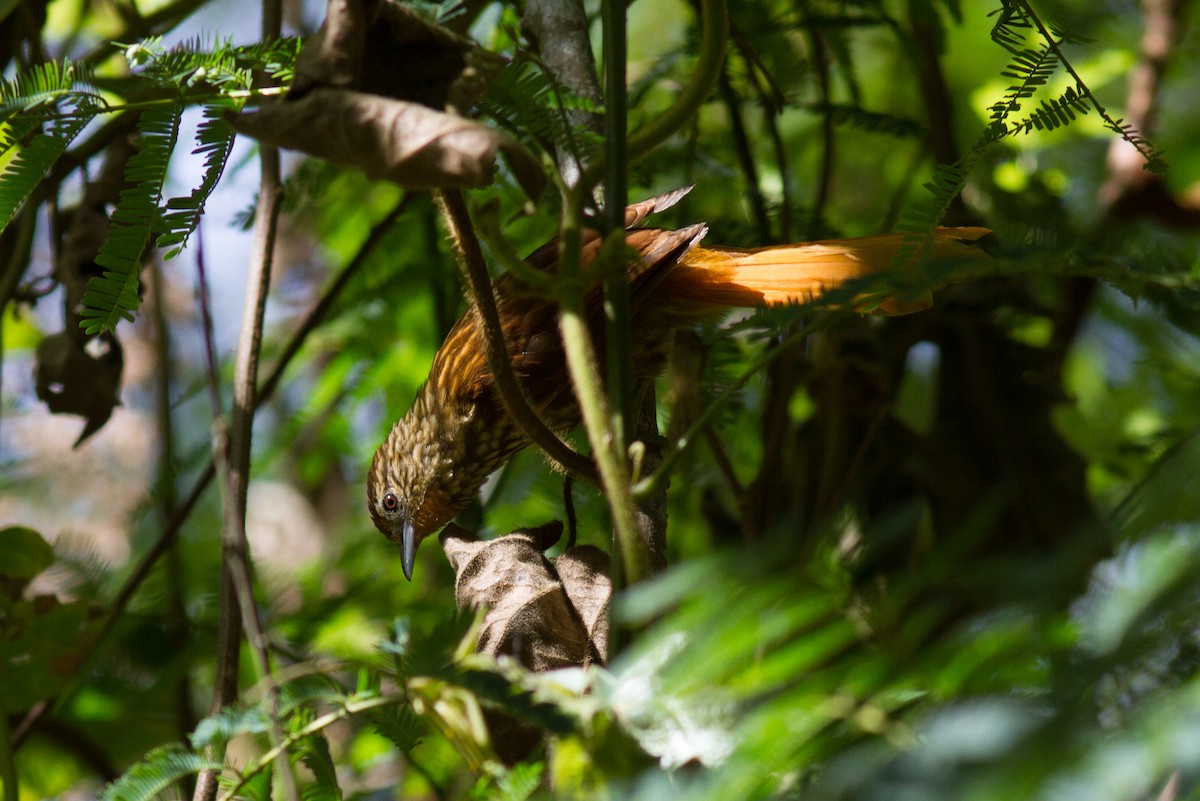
632 563
475 275
618 339
745 158
825 176
558 29
237 583
177 621
167 536
715 30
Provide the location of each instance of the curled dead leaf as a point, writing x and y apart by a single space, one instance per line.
403 142
528 613
383 47
583 571
545 614
73 377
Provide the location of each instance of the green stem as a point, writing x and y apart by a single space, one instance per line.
619 343
487 221
470 260
321 723
715 21
632 562
167 102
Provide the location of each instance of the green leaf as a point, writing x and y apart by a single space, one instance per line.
114 295
222 727
160 769
399 724
314 753
31 161
214 138
26 553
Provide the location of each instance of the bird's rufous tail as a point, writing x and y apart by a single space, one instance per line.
728 277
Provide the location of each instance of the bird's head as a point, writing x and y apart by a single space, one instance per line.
414 488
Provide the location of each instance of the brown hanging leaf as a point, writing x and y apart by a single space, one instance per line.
400 141
583 571
406 57
546 615
333 56
528 613
372 89
73 378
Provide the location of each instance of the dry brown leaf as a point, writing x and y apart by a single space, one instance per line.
583 571
545 615
385 48
403 142
371 91
333 56
74 378
528 614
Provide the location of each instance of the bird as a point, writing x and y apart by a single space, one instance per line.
457 432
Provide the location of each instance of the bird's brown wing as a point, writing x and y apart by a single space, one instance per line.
546 256
531 323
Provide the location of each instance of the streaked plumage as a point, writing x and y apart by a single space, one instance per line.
457 433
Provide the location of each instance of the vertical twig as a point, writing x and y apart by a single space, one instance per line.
616 286
714 31
632 562
474 268
825 176
558 29
745 157
237 594
177 616
180 515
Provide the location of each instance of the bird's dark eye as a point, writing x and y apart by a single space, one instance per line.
390 502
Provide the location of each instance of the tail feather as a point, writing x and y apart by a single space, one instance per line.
802 273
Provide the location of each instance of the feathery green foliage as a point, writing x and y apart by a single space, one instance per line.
41 113
214 139
313 752
528 102
115 294
220 728
161 769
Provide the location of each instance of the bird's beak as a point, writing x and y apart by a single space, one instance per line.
408 547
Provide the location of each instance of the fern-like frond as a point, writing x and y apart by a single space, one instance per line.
47 85
309 691
228 723
28 163
215 63
1054 113
1033 68
399 724
42 110
1012 27
870 121
114 295
160 769
527 102
314 753
214 139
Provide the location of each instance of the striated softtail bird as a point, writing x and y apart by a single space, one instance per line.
458 432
